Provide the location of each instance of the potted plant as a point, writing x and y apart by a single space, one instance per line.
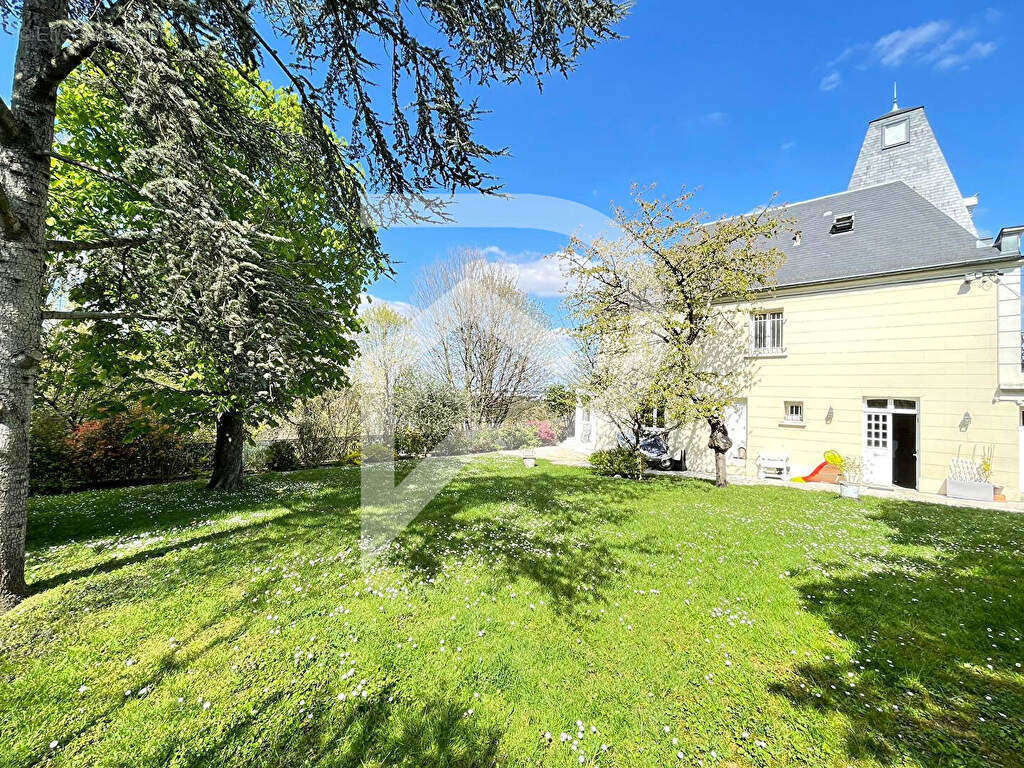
850 473
969 479
849 478
530 452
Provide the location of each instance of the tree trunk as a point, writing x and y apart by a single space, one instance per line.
720 443
227 455
24 187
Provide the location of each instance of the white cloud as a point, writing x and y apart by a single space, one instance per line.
714 118
830 81
938 43
893 48
975 52
544 277
787 145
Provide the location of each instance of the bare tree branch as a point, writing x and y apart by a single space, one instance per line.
9 129
89 315
68 246
67 60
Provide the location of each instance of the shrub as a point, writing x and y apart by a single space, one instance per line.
456 444
51 469
410 442
127 447
281 456
375 452
254 457
315 444
484 441
514 436
618 461
545 432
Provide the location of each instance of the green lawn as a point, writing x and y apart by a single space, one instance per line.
681 625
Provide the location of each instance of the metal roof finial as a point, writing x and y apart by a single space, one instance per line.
895 103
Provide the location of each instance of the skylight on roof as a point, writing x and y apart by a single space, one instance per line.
842 224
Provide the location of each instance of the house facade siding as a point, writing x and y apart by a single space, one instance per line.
904 304
928 339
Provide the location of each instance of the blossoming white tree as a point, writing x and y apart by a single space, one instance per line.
662 303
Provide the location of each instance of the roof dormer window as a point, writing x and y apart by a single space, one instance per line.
842 224
894 134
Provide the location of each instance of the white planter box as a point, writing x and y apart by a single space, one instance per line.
849 491
969 489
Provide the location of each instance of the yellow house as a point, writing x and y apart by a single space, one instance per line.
894 334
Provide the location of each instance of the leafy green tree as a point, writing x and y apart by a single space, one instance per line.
166 61
662 311
238 342
561 403
428 410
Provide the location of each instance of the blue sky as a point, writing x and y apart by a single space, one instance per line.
742 102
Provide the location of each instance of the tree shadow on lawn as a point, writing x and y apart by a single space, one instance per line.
179 517
938 637
385 729
542 527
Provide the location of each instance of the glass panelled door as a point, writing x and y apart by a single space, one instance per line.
736 423
877 457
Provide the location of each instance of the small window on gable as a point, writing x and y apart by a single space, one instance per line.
894 134
842 224
795 412
797 237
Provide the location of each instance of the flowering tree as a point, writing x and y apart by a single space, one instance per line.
485 337
659 312
166 62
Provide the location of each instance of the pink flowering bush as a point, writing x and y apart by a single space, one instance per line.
545 432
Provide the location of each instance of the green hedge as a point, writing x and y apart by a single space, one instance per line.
618 461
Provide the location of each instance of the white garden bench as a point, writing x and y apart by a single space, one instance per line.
773 466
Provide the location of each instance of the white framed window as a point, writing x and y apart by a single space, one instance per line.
766 333
794 413
894 134
657 417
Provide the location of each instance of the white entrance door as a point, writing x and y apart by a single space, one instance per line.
877 457
736 423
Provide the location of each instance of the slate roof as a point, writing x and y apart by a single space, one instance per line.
895 230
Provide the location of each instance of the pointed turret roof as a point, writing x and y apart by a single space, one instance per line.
900 146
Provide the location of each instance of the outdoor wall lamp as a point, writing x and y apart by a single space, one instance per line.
965 422
829 415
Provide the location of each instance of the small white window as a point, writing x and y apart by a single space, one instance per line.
767 332
894 133
795 412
